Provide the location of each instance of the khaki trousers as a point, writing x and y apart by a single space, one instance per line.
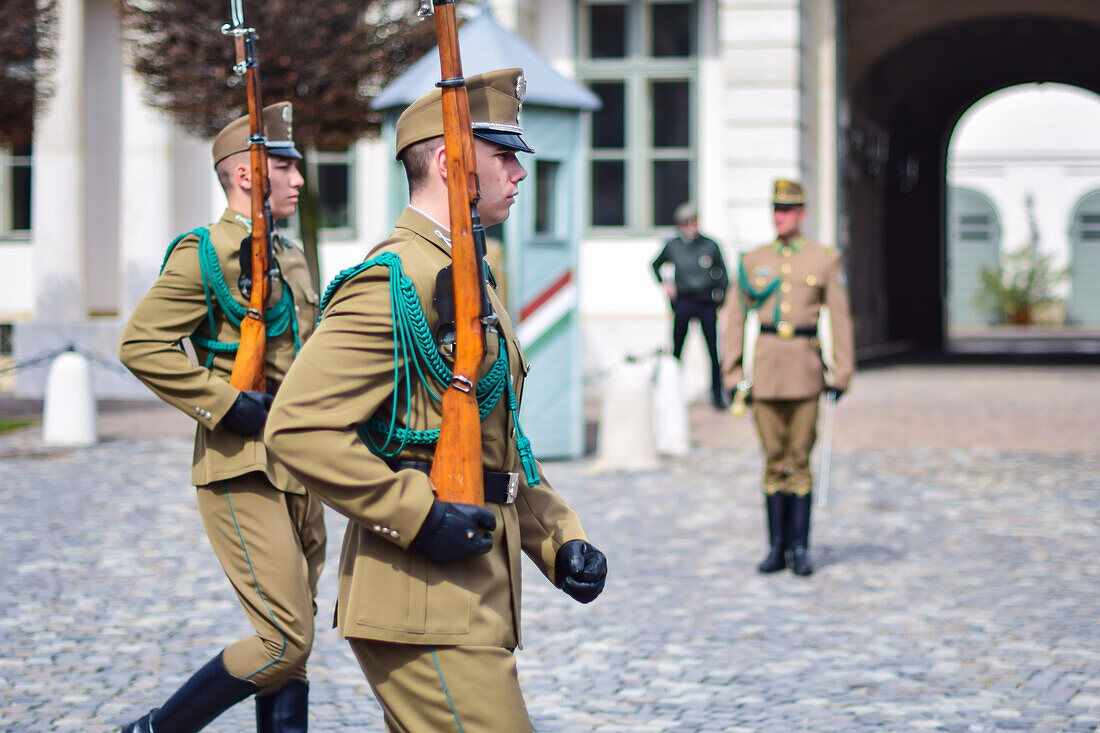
787 429
444 689
271 545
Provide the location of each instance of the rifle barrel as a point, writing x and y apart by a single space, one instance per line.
456 468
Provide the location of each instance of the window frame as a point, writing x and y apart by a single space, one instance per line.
349 157
9 161
636 71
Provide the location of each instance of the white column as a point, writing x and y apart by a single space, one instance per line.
102 155
147 193
58 210
819 108
760 140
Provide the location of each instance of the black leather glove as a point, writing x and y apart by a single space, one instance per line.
248 413
453 532
835 391
580 570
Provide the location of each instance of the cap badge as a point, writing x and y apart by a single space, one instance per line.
521 88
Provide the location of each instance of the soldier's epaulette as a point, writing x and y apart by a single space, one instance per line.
388 259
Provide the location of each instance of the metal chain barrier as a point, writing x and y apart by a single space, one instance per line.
97 359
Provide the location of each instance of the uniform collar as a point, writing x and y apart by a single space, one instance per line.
425 227
232 216
236 218
795 244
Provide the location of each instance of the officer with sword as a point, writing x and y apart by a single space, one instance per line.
789 339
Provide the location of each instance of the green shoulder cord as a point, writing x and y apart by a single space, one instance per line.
276 318
413 338
758 296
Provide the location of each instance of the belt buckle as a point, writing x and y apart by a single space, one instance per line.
784 330
513 487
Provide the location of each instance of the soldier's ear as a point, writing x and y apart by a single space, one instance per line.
439 161
242 176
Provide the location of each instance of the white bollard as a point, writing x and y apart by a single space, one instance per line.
670 408
69 407
626 421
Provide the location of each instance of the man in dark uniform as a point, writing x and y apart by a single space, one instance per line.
266 531
788 338
429 591
700 288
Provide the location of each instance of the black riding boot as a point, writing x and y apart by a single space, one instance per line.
799 507
284 711
777 534
209 693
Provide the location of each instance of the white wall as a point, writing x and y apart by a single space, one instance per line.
16 283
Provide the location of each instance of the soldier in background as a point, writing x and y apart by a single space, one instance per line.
266 531
700 278
790 299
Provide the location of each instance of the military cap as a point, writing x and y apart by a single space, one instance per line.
495 99
277 127
685 212
788 193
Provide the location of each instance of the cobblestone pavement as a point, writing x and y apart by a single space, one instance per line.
957 585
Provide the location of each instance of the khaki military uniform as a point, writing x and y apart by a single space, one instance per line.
789 370
413 622
266 531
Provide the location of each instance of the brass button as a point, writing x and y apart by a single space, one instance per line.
786 268
785 287
761 280
811 280
785 307
786 251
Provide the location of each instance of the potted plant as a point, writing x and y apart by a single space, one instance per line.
1025 282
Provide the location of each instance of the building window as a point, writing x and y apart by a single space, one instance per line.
333 175
639 57
547 177
15 192
1088 227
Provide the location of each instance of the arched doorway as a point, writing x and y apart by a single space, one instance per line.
1083 307
1033 152
911 72
973 245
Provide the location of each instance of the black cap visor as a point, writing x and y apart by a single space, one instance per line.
507 139
283 150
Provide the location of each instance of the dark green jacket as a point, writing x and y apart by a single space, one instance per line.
700 271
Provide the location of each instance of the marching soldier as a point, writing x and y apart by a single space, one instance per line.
698 288
266 531
429 591
791 300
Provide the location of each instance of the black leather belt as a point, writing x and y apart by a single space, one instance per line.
787 331
500 487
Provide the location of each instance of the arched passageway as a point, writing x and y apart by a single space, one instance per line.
904 101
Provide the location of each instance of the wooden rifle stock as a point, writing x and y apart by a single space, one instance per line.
456 469
248 366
